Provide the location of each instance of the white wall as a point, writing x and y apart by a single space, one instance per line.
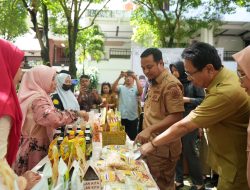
110 70
232 65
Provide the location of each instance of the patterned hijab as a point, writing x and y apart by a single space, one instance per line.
67 97
243 59
10 61
35 83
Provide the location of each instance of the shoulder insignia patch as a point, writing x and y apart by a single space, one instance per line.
172 86
55 102
174 91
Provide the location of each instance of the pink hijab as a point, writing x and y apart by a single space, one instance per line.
10 61
35 83
243 59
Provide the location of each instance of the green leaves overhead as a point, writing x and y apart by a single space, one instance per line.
91 43
66 17
174 27
13 19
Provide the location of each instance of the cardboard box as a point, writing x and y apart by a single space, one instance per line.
91 178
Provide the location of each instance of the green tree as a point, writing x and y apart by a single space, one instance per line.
91 44
38 12
172 27
69 13
13 19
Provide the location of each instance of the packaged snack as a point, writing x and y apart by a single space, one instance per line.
63 175
50 152
108 176
65 150
76 183
55 156
82 141
96 133
80 155
72 150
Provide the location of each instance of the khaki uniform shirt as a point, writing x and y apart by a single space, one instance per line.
225 112
164 98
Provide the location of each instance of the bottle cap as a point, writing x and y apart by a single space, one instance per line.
78 128
72 133
80 132
69 127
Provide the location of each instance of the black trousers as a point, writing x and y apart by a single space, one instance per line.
140 122
189 151
130 127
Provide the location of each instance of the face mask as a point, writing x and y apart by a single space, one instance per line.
66 87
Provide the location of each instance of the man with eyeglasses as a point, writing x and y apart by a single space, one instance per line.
224 112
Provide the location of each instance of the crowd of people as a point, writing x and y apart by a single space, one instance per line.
164 110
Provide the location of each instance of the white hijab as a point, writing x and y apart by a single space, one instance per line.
68 99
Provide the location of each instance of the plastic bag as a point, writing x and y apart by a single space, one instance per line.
46 181
63 176
76 183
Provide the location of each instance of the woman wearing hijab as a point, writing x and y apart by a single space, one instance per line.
11 116
63 98
40 116
243 70
193 96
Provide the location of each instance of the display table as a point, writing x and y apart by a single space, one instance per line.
97 149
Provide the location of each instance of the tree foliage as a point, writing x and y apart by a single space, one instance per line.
13 19
91 44
62 17
38 12
173 27
68 13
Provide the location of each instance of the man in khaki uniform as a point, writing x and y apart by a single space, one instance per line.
224 112
163 107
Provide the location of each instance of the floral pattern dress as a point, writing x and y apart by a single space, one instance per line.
37 133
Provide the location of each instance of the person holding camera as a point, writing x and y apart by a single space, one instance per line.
88 99
128 101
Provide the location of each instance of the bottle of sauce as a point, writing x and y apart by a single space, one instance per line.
71 135
71 144
88 148
78 129
57 133
87 131
69 128
59 140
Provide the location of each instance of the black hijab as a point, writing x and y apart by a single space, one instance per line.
179 65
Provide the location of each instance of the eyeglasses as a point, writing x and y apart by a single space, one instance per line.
190 75
241 75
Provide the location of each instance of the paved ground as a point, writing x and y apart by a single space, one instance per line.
188 184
